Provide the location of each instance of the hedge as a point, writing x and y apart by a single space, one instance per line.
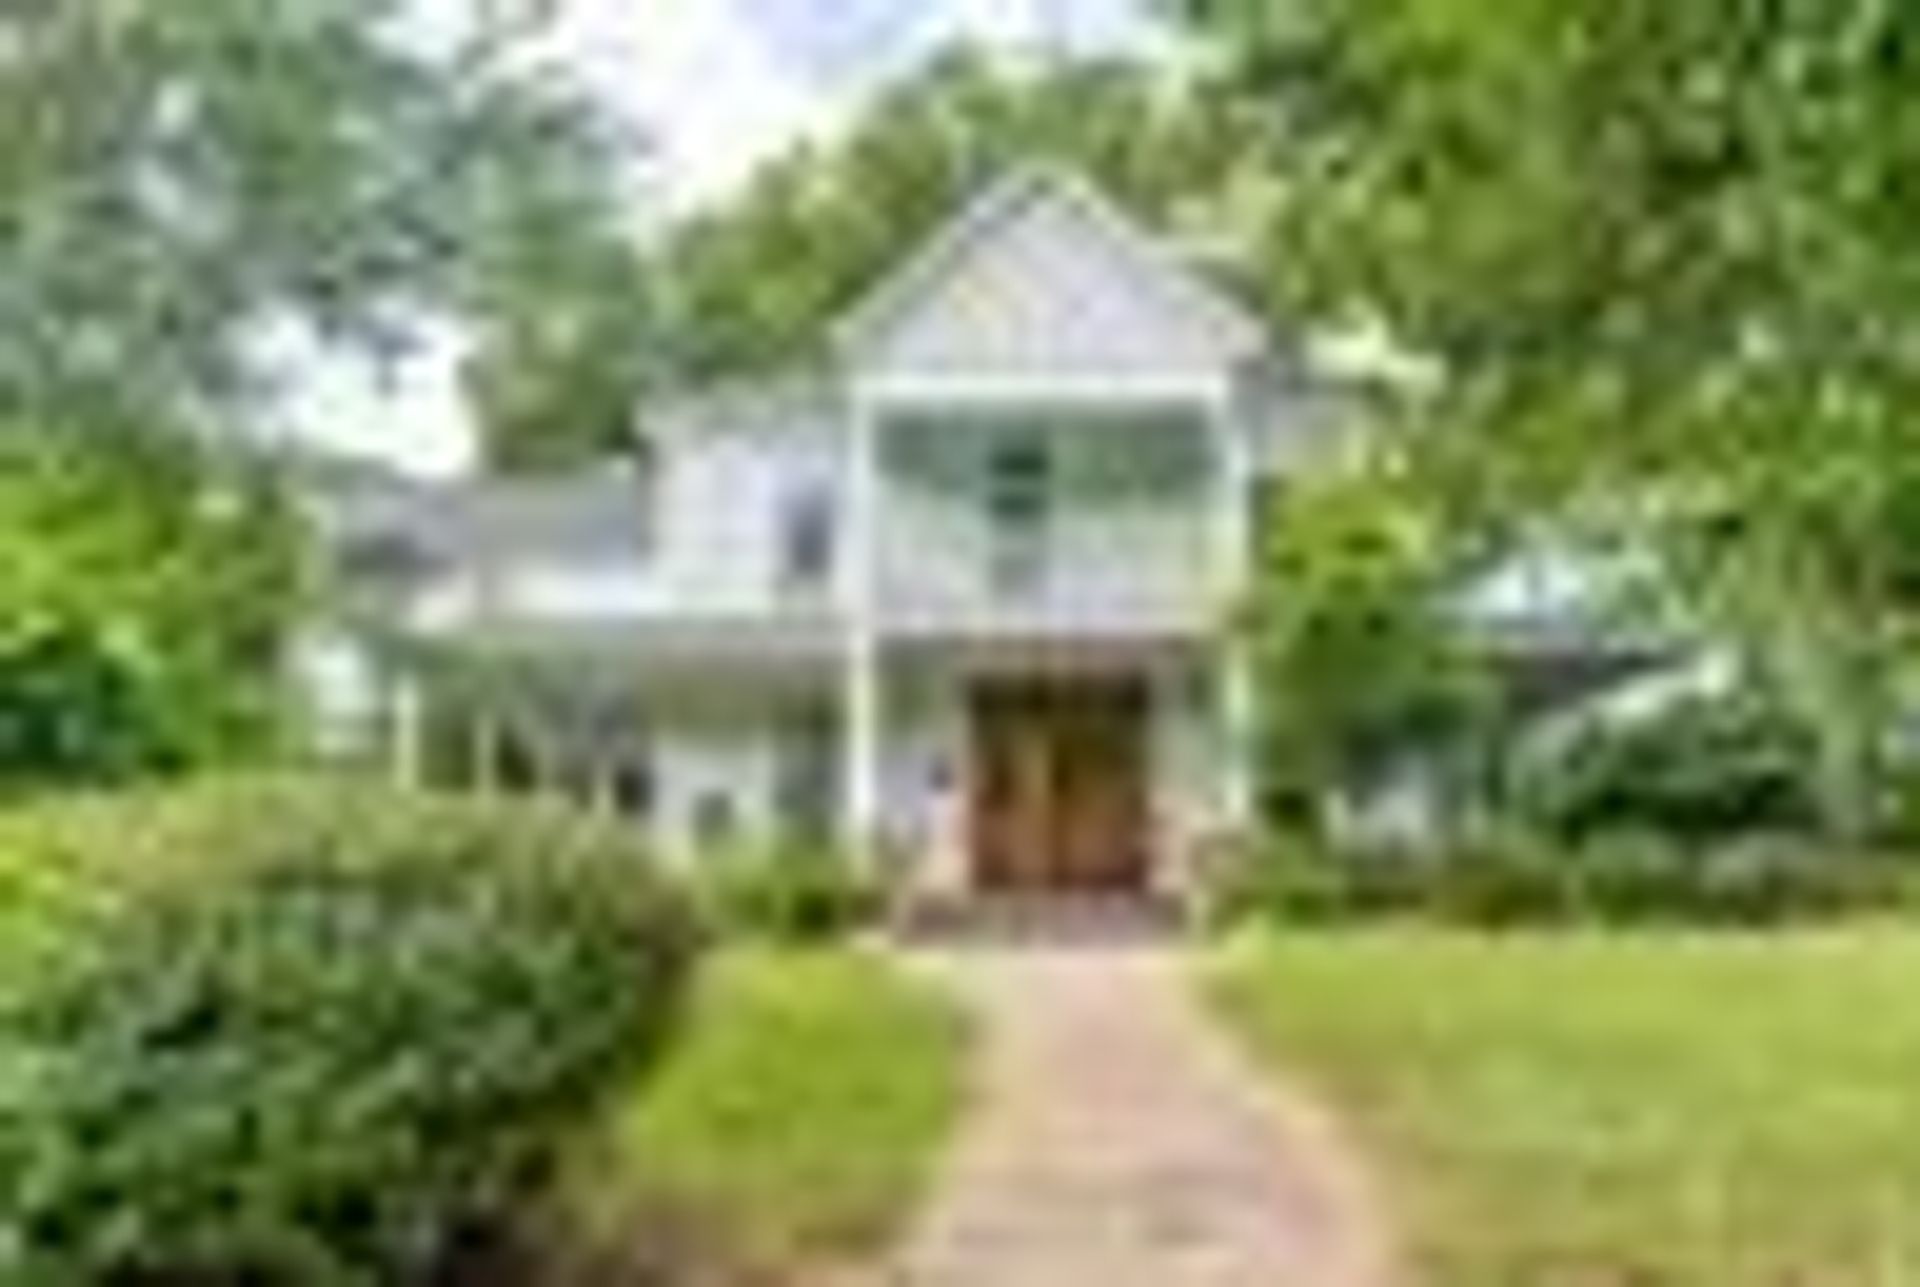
784 892
301 1034
1514 877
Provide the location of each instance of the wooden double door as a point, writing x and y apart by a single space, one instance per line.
1060 786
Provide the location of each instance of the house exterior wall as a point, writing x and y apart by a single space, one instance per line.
714 755
722 505
724 499
712 507
1053 295
714 775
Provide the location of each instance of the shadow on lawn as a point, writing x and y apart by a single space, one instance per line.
668 1244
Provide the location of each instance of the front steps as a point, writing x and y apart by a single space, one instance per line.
1040 919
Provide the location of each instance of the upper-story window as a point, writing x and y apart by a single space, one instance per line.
1019 505
807 537
642 467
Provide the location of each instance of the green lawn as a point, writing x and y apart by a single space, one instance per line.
799 1112
1587 1110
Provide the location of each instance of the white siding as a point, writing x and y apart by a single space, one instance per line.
338 682
1055 294
723 507
704 766
1294 426
720 497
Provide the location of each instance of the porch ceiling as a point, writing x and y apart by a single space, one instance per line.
1104 456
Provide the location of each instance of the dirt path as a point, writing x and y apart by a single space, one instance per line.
1118 1142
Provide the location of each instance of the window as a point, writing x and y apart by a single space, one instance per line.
630 781
516 765
714 818
1019 503
807 537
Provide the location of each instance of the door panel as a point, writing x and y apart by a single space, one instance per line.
1101 788
1011 790
1060 786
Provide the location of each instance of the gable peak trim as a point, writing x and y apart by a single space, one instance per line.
1003 202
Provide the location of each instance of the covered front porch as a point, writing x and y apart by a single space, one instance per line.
1024 768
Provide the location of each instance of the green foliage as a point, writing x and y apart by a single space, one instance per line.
559 369
143 600
1505 876
1659 252
786 892
1357 658
1718 1111
799 1116
756 283
1708 769
1295 878
179 175
295 1033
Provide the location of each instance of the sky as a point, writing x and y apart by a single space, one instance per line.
714 86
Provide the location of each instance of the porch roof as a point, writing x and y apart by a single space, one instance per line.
787 642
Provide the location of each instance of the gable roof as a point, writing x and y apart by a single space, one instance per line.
1002 206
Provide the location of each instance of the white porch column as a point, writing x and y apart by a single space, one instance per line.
1234 570
861 699
406 732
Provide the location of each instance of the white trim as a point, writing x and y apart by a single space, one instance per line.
1234 570
1240 330
860 769
1118 390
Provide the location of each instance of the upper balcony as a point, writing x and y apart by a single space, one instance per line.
1047 523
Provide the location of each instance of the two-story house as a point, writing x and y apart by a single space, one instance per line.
958 598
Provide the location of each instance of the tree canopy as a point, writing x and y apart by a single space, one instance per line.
181 179
142 610
179 176
1663 255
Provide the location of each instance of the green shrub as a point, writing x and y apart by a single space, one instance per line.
1506 876
1764 881
284 1034
1640 877
1706 770
1628 877
784 892
1503 877
1290 877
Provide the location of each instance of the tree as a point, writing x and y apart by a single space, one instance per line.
145 596
180 175
566 356
755 283
180 178
1358 645
1663 254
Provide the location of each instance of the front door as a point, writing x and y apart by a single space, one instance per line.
1060 786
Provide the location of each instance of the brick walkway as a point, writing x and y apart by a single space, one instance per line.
1118 1142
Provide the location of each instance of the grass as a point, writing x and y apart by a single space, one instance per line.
1706 1111
799 1112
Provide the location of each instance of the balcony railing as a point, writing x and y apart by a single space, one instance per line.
944 564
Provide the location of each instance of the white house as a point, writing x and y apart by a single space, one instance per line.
956 598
